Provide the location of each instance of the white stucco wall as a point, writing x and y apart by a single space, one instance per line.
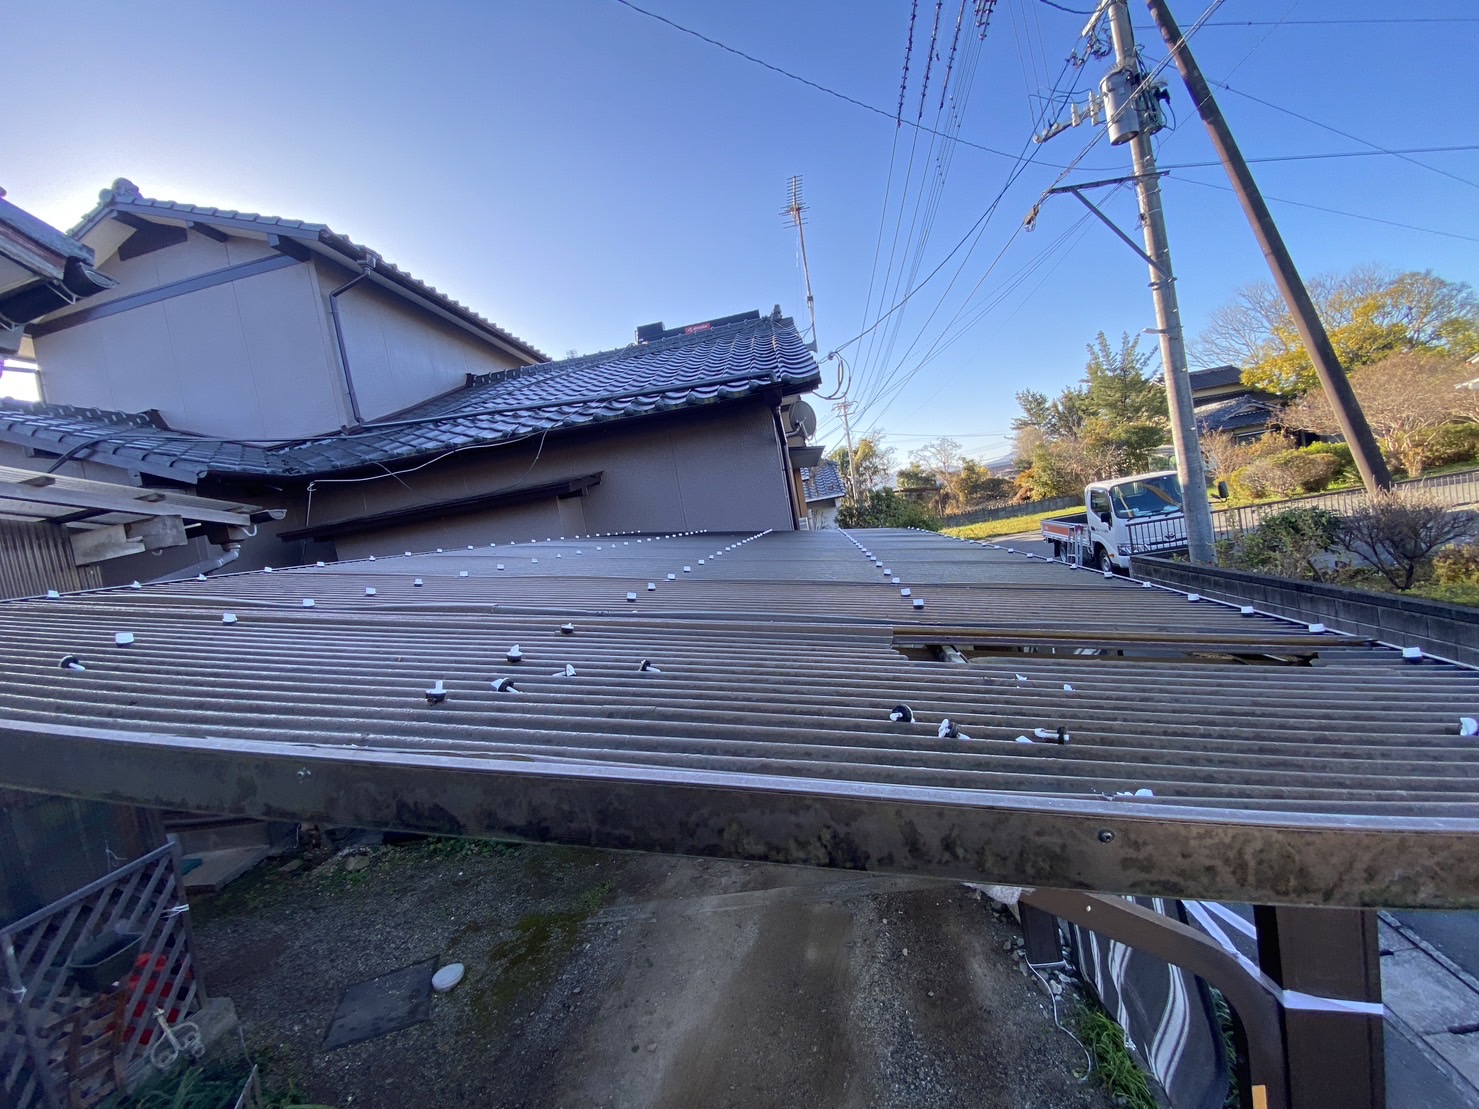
246 359
399 354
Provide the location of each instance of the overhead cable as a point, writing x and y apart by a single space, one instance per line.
854 101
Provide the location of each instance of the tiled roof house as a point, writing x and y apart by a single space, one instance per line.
249 354
1221 402
824 490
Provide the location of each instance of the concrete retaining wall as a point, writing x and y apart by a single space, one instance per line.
1448 631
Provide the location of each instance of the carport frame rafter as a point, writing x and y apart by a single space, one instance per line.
976 836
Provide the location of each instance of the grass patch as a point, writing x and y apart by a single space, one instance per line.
212 1086
461 847
1234 1098
1116 1068
1010 525
1449 593
540 945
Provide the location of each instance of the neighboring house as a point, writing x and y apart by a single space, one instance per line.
41 270
247 357
254 327
1221 402
824 492
56 529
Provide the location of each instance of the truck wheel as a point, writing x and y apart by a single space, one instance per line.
1103 561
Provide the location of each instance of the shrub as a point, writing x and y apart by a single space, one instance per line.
1394 533
1285 474
1288 544
1341 452
883 508
1451 444
1457 565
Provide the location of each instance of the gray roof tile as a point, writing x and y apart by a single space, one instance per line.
824 482
722 364
1215 377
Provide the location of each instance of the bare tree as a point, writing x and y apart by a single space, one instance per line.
1406 398
1394 532
1225 454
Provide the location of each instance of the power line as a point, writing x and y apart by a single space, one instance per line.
1376 147
890 116
1325 22
1378 152
1339 212
1024 160
1287 22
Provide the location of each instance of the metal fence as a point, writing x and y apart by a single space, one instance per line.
64 1038
1454 490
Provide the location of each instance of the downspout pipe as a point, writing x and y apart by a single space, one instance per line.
780 435
367 268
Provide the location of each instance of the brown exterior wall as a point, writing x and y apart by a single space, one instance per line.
719 468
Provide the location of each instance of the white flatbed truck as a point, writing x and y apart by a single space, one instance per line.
1122 517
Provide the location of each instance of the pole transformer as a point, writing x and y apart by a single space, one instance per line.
1342 397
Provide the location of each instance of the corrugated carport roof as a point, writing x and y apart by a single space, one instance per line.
766 732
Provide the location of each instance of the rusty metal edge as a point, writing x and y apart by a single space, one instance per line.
1067 843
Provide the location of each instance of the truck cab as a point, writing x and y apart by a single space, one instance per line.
1138 514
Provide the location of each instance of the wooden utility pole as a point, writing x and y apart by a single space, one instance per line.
1332 376
1200 541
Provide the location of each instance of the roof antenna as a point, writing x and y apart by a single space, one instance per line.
795 211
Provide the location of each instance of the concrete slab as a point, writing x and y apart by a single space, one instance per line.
218 869
1424 994
1462 1052
1414 1080
386 1004
1391 939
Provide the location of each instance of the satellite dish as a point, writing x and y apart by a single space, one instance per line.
803 419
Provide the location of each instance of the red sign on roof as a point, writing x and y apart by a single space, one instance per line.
697 327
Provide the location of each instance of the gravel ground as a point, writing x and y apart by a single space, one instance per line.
604 979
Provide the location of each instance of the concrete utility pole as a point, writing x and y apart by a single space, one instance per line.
1342 397
850 479
1128 121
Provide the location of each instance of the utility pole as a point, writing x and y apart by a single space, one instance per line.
1129 120
1342 397
850 480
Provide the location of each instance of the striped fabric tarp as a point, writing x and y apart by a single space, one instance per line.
1167 1014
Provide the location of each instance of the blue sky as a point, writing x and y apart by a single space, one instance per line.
572 168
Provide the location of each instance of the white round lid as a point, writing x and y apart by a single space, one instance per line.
444 979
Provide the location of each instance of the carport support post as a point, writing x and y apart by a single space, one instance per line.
1334 1058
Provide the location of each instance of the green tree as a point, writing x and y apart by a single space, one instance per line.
1111 423
875 463
1117 388
884 508
915 476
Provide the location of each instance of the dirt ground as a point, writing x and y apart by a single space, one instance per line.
603 979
